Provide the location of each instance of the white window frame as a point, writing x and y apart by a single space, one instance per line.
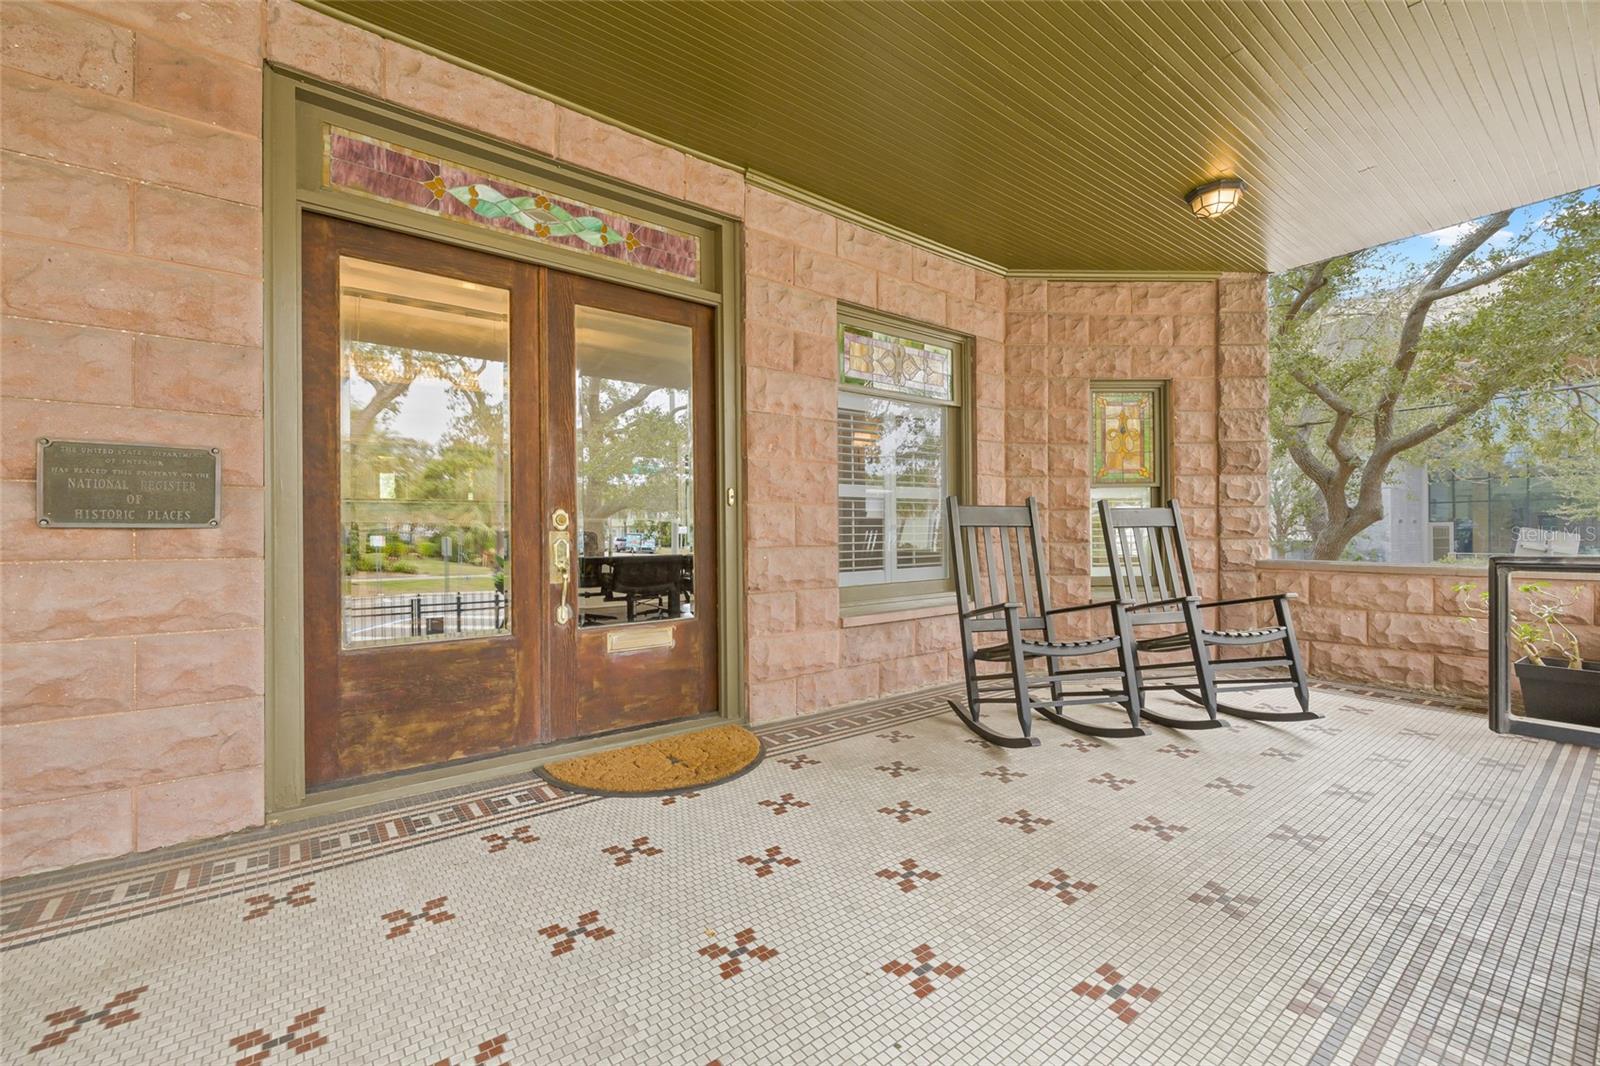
904 587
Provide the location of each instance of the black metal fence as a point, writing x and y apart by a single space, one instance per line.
421 616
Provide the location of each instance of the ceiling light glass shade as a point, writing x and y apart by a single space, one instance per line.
1216 198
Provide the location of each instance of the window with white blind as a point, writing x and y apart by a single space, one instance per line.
899 446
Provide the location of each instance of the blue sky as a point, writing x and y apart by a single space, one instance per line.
1403 258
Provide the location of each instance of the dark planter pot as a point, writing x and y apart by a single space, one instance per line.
1560 693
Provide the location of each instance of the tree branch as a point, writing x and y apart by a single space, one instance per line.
1433 290
1483 279
1315 282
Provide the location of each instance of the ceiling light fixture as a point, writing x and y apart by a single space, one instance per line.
1216 198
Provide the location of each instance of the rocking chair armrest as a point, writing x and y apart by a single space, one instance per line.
1174 601
1081 607
1269 598
991 609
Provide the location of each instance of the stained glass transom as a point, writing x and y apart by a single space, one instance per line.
1124 435
895 364
395 174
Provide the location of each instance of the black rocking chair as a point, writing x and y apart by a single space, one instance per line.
997 549
1151 577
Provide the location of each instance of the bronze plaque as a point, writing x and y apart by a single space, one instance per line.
83 483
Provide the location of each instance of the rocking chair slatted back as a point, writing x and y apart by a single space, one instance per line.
998 558
1148 558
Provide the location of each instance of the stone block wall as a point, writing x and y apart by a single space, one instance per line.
1207 339
131 713
1402 626
800 264
131 673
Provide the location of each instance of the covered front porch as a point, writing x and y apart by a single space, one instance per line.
1392 883
562 376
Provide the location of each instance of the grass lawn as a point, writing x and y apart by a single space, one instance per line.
428 579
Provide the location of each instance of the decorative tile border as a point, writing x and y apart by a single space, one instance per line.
59 908
395 174
61 903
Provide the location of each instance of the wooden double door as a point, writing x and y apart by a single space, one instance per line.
509 504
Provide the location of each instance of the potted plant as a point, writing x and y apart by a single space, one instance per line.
1557 683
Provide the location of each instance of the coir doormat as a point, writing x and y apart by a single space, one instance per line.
660 767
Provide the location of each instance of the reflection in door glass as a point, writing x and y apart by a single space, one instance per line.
635 462
425 456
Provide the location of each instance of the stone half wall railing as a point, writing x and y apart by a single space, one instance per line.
1402 626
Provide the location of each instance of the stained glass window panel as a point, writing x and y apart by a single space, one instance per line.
895 364
1124 433
395 174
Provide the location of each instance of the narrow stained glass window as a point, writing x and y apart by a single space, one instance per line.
1127 464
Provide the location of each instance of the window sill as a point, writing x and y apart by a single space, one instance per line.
871 614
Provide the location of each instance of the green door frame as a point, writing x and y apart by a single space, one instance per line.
297 107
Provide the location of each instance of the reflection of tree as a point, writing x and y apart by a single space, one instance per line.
910 444
457 476
631 439
391 371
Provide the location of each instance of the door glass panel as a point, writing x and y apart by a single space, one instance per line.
425 456
635 465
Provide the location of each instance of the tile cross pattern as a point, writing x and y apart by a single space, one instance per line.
1063 886
1167 831
623 854
118 1010
1313 1000
1268 947
403 921
903 811
1025 821
908 875
1004 774
1308 841
800 762
923 970
1230 903
769 861
565 938
1127 1001
300 1037
1112 781
264 904
784 804
1390 760
898 769
492 1050
734 958
522 834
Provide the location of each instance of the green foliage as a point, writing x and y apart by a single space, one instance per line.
1542 632
1476 360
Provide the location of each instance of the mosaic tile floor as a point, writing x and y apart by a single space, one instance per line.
1393 884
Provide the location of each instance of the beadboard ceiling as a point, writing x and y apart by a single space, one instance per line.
1061 136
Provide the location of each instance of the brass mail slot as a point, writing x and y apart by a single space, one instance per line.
640 638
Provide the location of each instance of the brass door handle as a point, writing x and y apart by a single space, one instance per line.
561 563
